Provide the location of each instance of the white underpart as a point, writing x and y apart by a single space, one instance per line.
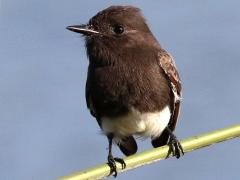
136 123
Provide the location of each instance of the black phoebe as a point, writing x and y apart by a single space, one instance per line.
133 87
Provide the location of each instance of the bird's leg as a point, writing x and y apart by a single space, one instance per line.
174 144
111 160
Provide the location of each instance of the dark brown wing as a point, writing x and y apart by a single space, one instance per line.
167 63
89 100
88 94
90 103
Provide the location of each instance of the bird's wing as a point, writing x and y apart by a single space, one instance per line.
89 99
90 102
88 95
168 65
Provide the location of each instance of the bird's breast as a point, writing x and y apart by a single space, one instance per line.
114 90
148 124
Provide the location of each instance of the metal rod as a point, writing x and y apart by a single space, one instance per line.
156 154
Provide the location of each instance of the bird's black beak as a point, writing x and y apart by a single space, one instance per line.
83 29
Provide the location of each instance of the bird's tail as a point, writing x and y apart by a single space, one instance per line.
161 140
128 146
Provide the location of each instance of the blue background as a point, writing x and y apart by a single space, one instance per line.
46 130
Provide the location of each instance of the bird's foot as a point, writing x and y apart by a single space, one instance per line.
175 147
112 164
174 144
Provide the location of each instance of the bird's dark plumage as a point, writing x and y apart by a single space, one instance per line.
133 87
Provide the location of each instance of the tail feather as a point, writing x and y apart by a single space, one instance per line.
161 140
128 146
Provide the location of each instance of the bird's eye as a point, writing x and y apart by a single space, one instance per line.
118 29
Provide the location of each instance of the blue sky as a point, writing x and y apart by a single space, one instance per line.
46 130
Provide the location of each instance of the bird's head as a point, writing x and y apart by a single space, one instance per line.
115 30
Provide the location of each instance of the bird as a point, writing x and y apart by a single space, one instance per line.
133 88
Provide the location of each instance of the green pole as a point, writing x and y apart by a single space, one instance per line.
157 154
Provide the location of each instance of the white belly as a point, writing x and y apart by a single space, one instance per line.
136 123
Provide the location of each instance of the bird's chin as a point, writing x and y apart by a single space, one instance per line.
90 40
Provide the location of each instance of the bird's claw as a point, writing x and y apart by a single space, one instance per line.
112 164
121 161
176 147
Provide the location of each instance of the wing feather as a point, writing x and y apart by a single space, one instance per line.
168 65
